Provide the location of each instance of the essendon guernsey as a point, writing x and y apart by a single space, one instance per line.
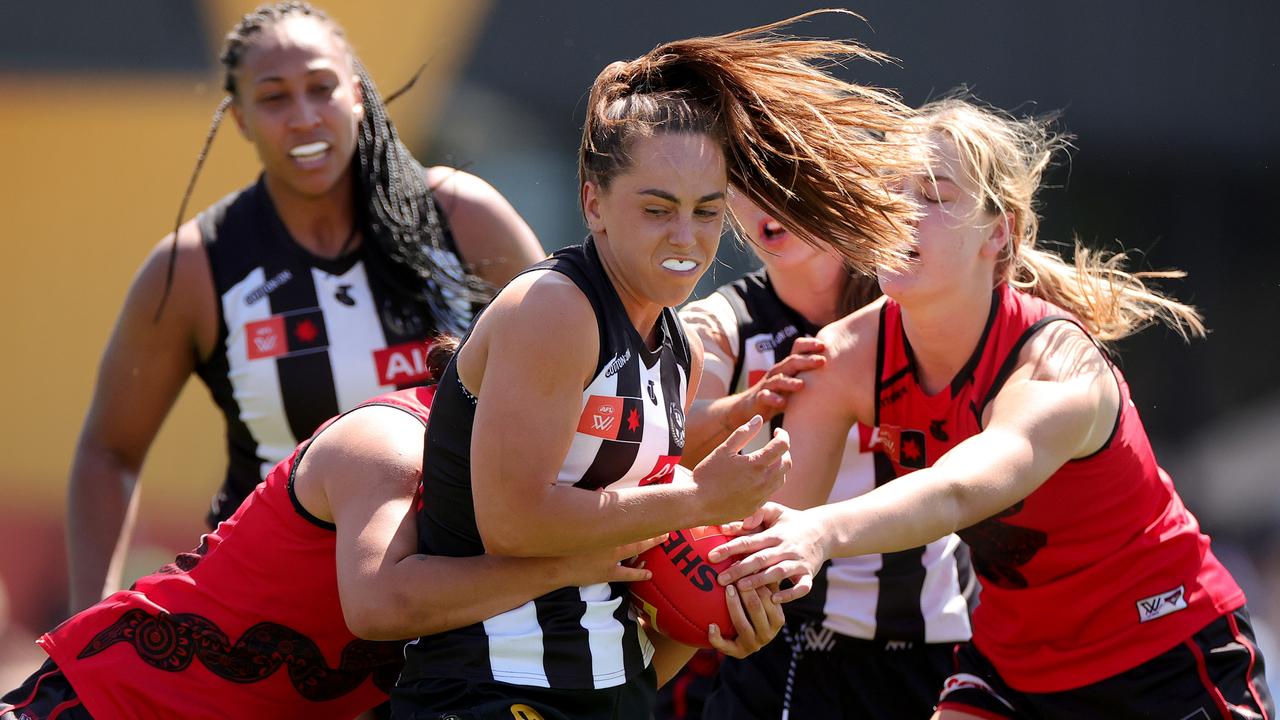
248 625
1098 570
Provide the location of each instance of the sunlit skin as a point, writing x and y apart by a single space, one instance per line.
657 224
298 101
808 279
946 293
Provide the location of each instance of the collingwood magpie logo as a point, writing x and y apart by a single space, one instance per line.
676 416
617 363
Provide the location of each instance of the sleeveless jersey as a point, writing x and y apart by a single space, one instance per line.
247 625
1099 569
914 595
300 338
630 432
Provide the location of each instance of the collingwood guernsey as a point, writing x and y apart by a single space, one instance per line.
630 432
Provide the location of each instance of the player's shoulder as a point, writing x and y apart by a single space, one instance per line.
851 340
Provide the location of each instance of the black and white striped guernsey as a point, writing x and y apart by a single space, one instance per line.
300 338
630 432
909 596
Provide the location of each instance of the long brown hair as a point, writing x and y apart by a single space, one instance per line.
806 147
1006 158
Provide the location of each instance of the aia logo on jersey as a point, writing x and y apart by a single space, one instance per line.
403 364
903 446
1161 604
292 332
663 472
612 418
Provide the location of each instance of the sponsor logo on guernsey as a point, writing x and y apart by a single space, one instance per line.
766 343
266 338
1161 604
291 332
402 364
663 472
268 287
343 295
617 363
612 418
903 446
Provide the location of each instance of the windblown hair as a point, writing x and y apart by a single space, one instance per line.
1006 158
805 146
403 229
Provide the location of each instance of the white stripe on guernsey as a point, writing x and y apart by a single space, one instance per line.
853 588
604 635
756 359
355 333
583 449
515 647
946 614
255 384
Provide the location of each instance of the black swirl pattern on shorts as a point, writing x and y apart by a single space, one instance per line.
171 641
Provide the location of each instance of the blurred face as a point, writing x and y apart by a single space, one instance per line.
658 224
298 102
779 250
956 241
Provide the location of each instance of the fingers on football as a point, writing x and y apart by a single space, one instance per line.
744 545
632 549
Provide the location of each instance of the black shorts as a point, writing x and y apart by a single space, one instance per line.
46 695
1216 674
451 699
684 696
812 672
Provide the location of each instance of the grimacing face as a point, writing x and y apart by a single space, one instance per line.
775 245
298 101
657 225
956 240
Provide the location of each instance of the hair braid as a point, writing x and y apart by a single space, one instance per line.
405 229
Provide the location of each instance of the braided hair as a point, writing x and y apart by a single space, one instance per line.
404 230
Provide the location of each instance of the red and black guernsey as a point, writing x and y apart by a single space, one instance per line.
630 432
915 594
302 338
1099 569
247 625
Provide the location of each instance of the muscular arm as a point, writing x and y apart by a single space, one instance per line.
820 415
494 241
1060 403
142 370
532 353
361 473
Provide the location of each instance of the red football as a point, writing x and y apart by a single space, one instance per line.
684 597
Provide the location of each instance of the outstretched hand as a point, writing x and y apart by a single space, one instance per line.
732 485
782 544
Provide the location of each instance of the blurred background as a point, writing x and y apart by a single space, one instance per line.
103 107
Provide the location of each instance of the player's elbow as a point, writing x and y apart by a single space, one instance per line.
509 535
382 618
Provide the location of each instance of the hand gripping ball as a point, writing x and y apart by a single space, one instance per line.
683 598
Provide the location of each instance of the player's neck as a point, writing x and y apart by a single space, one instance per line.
943 336
813 290
325 224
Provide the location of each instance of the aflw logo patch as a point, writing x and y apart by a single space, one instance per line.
612 418
1157 606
